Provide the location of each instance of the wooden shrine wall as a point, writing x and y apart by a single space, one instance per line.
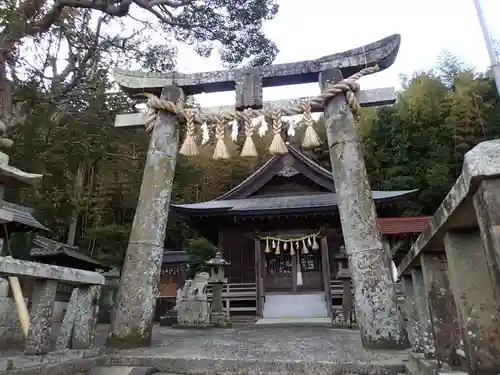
239 249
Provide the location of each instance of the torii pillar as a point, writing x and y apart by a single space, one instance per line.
375 295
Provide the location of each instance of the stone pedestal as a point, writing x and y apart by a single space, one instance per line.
217 315
193 313
192 306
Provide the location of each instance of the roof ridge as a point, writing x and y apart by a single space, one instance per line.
308 160
252 176
291 149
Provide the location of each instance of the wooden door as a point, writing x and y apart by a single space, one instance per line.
279 272
312 271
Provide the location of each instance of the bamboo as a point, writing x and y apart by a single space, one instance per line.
22 309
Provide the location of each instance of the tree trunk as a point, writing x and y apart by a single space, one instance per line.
77 195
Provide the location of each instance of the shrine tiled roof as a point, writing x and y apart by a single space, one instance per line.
23 215
241 199
398 225
46 247
317 202
172 257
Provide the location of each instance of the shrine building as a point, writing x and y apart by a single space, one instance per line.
281 231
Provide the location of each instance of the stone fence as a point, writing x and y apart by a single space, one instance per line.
451 274
77 330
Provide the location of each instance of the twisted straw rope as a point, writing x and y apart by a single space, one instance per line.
248 149
348 86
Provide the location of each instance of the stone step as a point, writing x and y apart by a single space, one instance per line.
295 305
123 370
266 322
417 365
246 366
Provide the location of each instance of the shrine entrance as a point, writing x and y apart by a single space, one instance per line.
293 273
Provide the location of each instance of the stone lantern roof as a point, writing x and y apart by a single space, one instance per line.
217 261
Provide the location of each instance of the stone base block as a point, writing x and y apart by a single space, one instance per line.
419 365
220 320
10 327
338 320
193 326
169 319
217 366
123 370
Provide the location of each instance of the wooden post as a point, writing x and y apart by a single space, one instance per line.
138 290
258 279
375 297
22 309
325 265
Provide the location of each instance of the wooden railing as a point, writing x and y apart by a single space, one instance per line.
247 292
77 330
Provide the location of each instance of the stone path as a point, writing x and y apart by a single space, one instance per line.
304 350
244 350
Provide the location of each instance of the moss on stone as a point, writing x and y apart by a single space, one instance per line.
386 343
129 341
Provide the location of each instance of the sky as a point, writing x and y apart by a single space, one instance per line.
323 27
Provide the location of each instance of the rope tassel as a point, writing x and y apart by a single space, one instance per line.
278 146
220 151
248 150
189 147
347 87
311 138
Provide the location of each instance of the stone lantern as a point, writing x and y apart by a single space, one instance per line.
344 274
217 265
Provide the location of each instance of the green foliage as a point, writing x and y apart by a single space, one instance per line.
200 250
419 143
65 87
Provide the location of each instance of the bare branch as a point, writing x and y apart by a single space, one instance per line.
170 3
120 9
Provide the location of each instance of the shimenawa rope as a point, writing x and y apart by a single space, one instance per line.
349 86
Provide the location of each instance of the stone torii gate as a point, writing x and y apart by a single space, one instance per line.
374 290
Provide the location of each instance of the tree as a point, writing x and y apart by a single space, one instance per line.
200 250
419 143
55 59
235 25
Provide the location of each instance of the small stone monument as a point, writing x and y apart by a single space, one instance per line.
192 306
217 264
